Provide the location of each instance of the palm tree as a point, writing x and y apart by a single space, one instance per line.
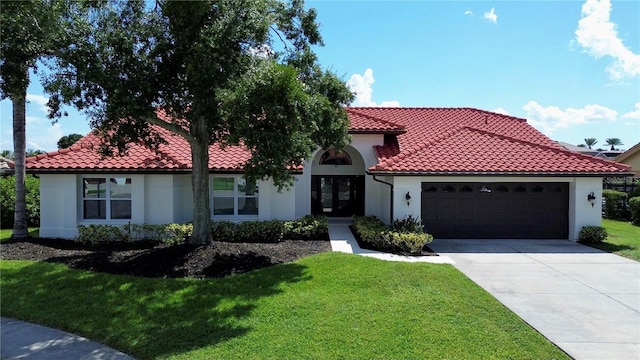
590 142
614 142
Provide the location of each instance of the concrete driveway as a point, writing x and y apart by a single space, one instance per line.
584 300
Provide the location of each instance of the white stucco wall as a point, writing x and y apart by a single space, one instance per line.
159 204
182 198
581 212
59 205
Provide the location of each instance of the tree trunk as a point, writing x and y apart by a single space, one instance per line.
200 182
20 230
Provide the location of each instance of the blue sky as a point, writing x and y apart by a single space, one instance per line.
571 68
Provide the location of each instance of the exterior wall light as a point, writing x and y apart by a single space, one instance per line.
408 198
591 198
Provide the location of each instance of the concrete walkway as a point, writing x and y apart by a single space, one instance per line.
342 240
584 300
22 340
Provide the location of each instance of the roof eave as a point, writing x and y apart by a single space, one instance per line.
497 173
137 171
378 132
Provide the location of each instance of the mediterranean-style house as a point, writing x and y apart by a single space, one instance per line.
467 173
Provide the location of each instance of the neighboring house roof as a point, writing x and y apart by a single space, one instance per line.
6 166
429 141
631 157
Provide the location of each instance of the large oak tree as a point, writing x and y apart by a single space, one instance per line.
233 72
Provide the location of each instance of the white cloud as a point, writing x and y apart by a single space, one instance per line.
501 111
491 16
361 86
598 36
633 114
551 118
468 12
44 138
39 100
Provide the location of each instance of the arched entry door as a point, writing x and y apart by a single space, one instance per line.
337 195
337 183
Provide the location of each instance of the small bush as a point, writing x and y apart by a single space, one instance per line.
259 231
8 199
223 231
407 242
634 208
592 234
309 227
408 225
405 236
615 205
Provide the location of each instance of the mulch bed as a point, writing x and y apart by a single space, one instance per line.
216 260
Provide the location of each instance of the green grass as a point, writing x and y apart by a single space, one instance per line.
623 239
327 306
5 234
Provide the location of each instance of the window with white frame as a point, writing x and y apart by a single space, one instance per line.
106 198
233 196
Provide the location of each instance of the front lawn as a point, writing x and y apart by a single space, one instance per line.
326 306
623 239
5 234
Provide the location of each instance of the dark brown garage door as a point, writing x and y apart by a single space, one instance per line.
496 210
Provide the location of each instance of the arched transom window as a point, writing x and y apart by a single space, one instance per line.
335 157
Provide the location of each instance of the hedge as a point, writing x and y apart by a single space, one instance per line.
634 207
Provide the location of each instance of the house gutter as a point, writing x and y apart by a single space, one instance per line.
390 198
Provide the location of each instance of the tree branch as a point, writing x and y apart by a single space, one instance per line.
176 129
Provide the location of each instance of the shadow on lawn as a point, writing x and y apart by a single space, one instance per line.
144 317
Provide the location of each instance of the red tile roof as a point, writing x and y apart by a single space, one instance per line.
429 141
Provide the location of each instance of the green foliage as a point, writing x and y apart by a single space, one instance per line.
8 198
634 208
259 231
310 227
68 140
615 206
407 225
613 142
170 234
405 236
223 230
592 234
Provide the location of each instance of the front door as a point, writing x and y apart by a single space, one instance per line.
337 195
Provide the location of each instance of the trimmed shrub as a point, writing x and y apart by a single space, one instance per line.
634 208
407 242
592 234
405 236
259 231
309 227
100 234
8 199
615 205
223 231
170 234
